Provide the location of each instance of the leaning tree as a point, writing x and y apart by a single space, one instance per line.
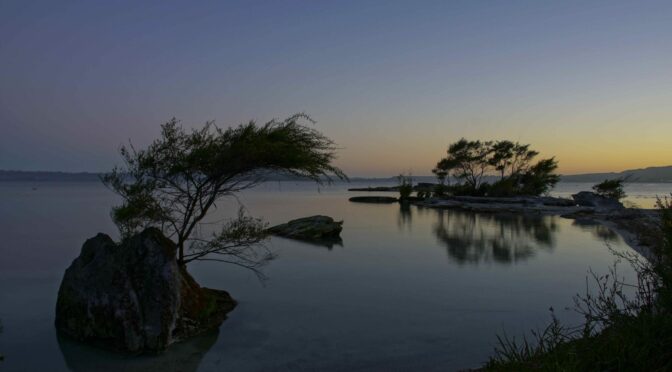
180 177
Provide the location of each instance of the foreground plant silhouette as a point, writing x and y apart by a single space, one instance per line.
180 177
622 331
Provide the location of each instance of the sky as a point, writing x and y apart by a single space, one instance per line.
392 82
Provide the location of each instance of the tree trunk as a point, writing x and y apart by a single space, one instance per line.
180 253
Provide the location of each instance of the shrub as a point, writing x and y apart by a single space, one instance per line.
405 186
504 187
620 333
612 189
440 190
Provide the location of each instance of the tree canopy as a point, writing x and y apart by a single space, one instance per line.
178 178
612 189
471 161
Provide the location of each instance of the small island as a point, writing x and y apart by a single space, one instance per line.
503 177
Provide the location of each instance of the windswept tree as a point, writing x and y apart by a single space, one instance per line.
522 158
180 177
612 189
468 160
539 178
501 157
509 158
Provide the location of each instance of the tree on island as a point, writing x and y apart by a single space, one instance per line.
180 177
612 189
471 161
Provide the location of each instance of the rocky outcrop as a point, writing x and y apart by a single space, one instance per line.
134 296
516 204
600 203
374 199
314 228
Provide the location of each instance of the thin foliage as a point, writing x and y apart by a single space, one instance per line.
612 189
181 176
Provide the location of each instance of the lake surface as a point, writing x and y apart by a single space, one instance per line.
408 289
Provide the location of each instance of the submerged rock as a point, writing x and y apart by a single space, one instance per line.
600 203
134 296
314 228
373 199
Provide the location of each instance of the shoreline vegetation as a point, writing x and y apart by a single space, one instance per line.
621 332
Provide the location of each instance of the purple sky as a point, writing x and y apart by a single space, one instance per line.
393 82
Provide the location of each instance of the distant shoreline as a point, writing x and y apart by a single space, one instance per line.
645 175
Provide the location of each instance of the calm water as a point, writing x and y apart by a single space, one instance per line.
408 289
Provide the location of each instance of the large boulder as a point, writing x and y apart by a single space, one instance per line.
313 228
134 296
599 202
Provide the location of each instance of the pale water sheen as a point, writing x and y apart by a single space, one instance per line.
409 289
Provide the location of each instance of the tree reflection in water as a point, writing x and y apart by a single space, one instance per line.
471 238
405 216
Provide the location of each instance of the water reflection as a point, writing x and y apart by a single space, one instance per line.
183 356
471 238
328 243
405 216
597 229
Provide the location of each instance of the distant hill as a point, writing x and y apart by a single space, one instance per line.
44 176
39 176
650 174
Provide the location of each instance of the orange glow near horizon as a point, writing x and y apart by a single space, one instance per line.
588 150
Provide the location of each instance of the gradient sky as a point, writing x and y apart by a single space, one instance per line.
392 82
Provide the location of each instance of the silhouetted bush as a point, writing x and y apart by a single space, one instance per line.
405 186
504 187
612 189
620 333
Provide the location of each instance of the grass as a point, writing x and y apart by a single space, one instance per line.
621 332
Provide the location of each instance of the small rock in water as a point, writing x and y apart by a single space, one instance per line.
314 228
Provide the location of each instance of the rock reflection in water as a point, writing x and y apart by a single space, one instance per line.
471 238
328 243
597 229
182 356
